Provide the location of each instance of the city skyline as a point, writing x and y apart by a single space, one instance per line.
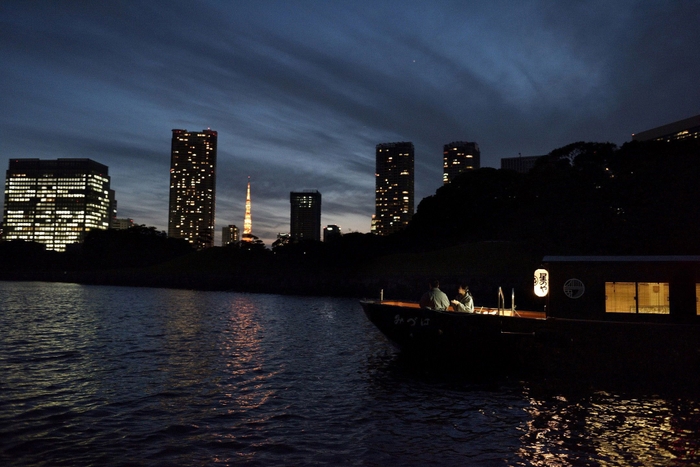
301 93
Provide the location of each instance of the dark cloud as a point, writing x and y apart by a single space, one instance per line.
301 92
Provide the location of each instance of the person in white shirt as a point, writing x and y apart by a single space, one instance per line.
464 301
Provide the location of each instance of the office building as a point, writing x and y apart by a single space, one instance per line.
193 187
519 164
229 235
682 129
112 207
394 182
55 202
458 157
121 224
305 217
331 233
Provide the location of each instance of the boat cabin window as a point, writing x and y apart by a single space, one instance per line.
637 297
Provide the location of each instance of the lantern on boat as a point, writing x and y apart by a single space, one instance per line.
541 282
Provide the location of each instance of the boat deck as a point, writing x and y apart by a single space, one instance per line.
477 310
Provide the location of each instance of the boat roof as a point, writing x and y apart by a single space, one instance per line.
621 259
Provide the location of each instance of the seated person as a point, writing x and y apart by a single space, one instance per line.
464 301
435 299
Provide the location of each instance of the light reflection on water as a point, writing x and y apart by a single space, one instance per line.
127 376
618 429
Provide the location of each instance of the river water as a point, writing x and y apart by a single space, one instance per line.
94 375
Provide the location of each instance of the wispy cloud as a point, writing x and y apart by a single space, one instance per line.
301 92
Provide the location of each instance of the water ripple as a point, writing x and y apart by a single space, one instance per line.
125 376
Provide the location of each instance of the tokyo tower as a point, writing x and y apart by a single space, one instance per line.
247 223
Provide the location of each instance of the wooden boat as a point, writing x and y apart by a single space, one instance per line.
600 313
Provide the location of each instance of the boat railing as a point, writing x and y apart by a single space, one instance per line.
501 302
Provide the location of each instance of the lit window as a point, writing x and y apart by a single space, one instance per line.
637 297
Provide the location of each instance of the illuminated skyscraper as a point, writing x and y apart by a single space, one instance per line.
394 187
459 156
193 187
305 218
55 202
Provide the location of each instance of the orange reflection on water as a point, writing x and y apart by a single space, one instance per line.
614 430
246 385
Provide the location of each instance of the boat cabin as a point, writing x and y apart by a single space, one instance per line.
663 289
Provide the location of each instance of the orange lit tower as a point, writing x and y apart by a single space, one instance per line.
247 222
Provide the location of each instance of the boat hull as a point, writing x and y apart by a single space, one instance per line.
542 343
482 339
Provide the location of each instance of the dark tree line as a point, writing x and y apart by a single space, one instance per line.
136 247
584 198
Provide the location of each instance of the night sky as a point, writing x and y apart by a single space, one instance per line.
301 92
